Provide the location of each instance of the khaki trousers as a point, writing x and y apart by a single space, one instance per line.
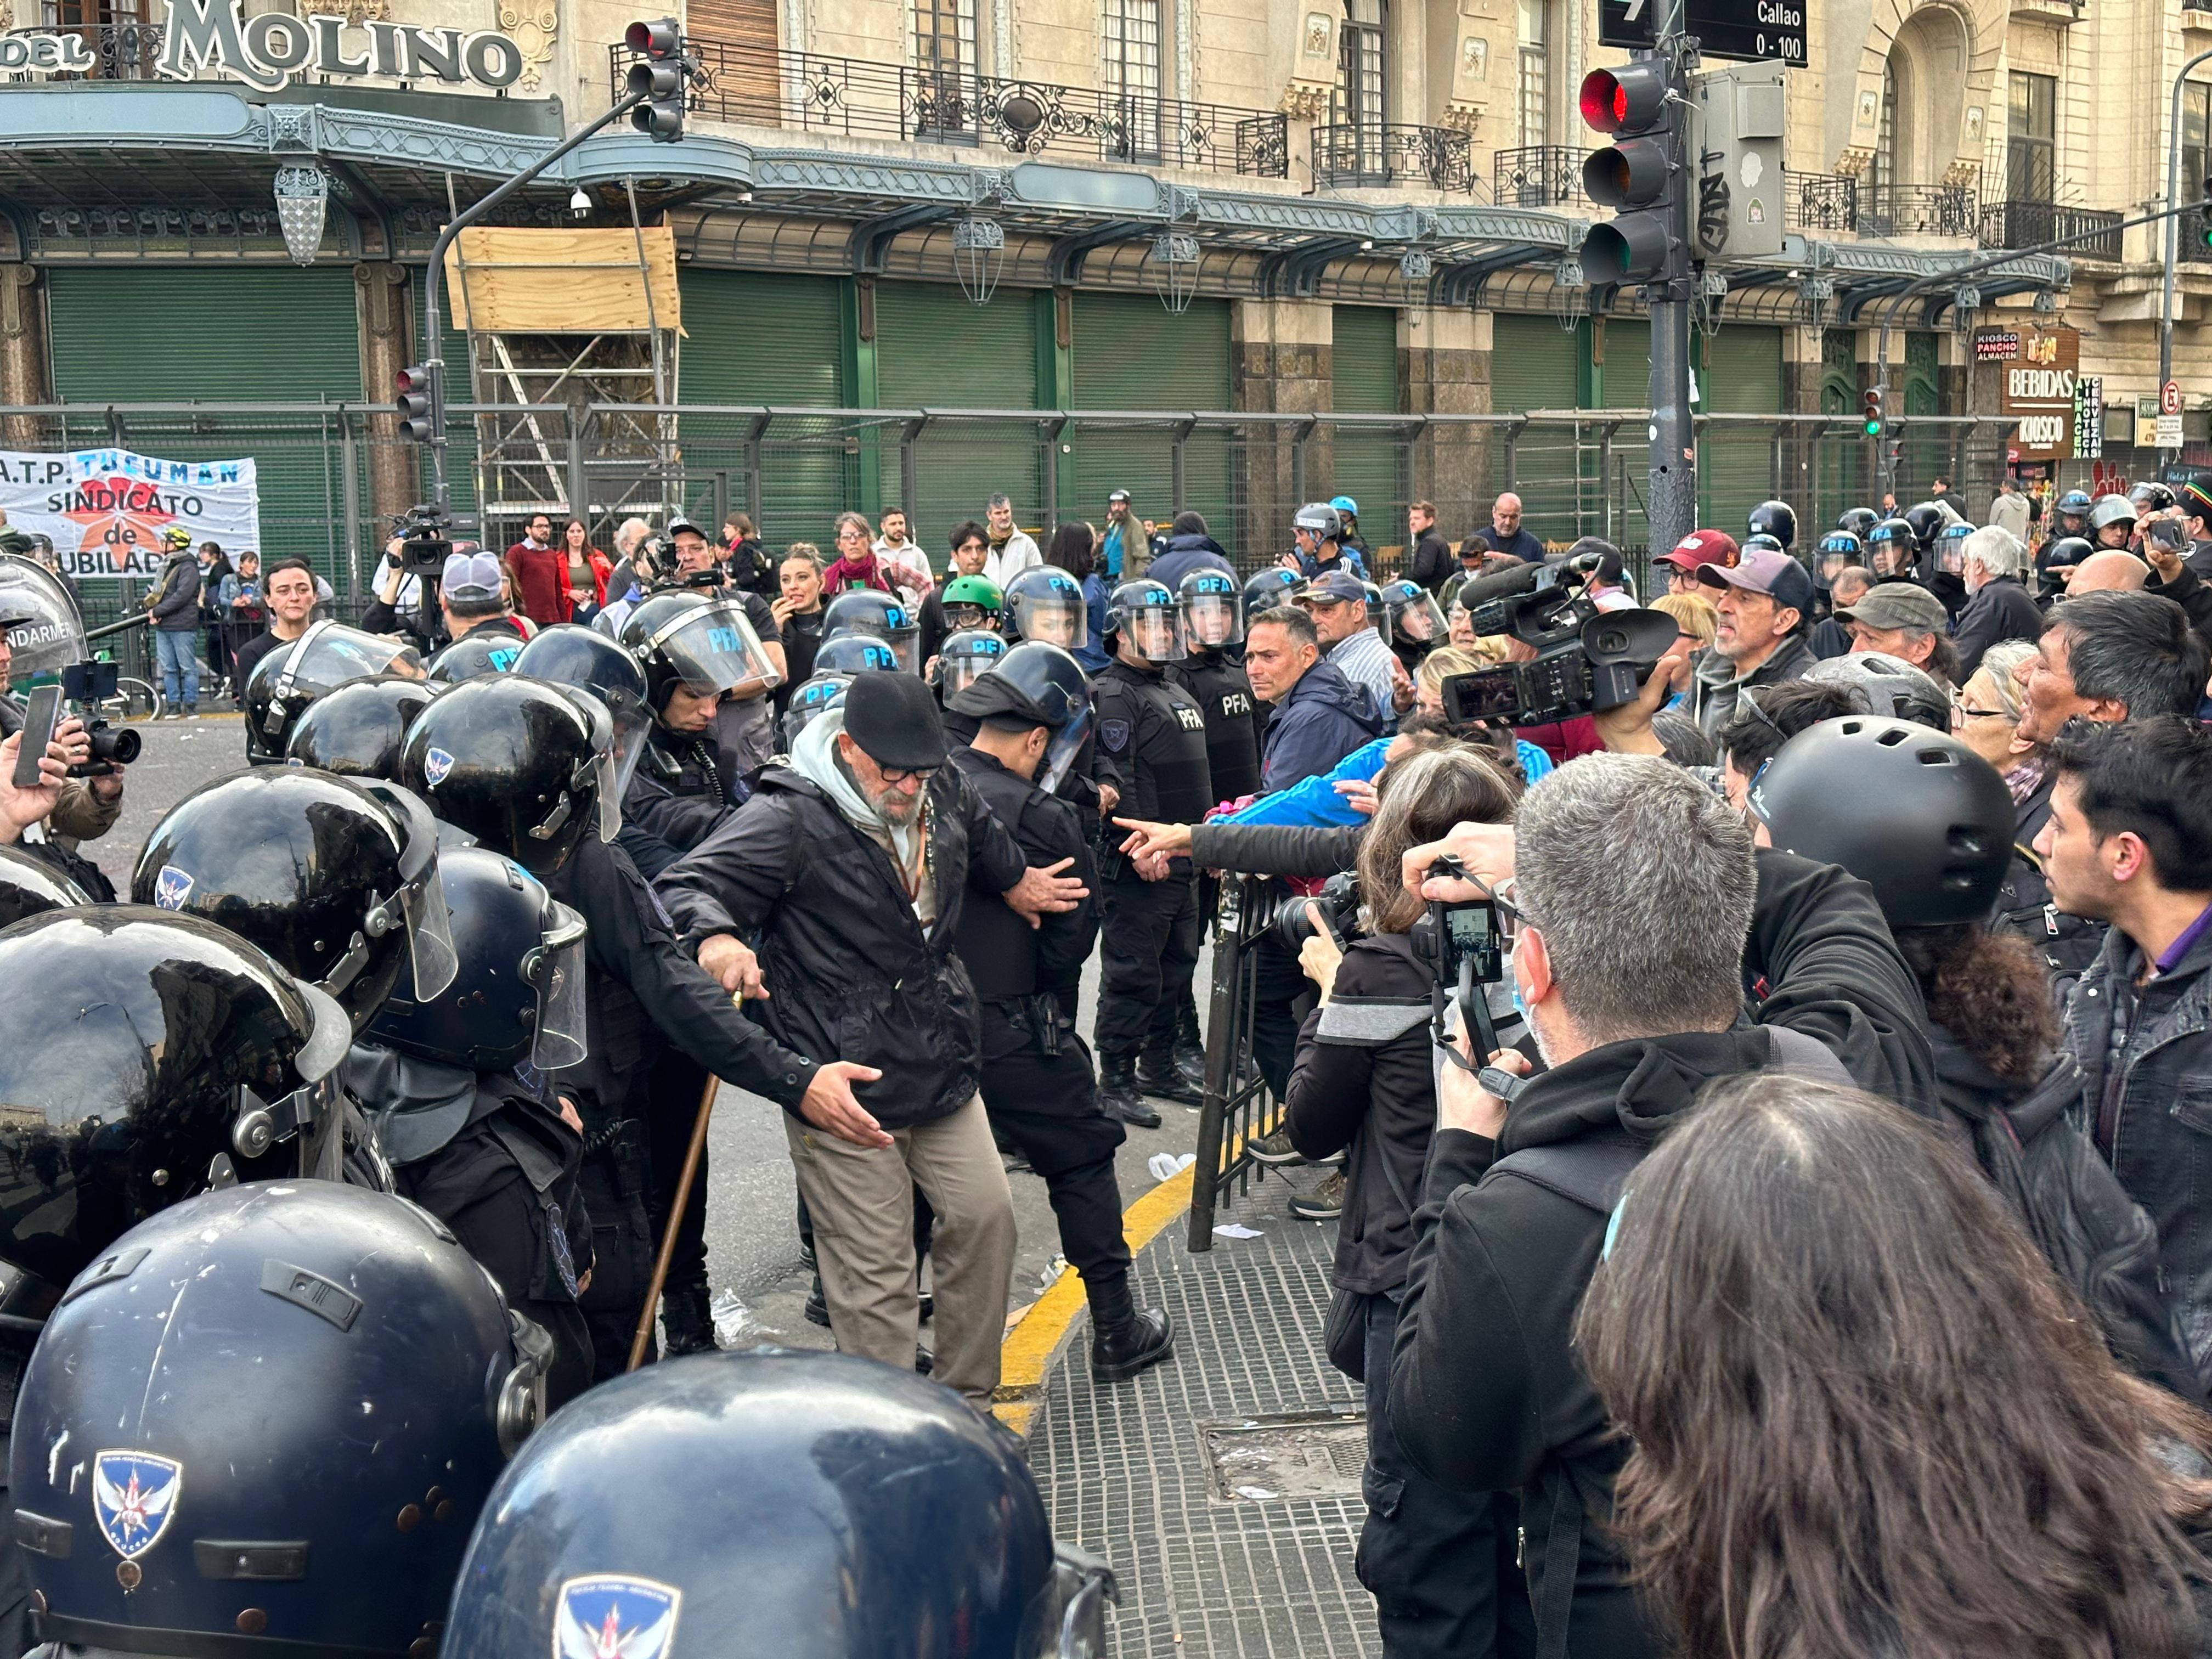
862 1202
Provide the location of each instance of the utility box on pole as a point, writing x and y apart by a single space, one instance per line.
1736 118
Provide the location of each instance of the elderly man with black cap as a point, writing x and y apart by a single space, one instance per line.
1032 713
850 868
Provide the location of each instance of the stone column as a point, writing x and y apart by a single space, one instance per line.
384 319
1445 366
1282 366
26 370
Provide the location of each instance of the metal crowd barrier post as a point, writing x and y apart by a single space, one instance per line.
1239 1107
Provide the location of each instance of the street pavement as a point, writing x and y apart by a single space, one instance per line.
752 1239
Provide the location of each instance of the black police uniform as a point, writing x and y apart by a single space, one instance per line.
1235 719
1039 1088
1152 748
678 794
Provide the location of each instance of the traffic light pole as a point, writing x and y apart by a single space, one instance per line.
434 334
1672 506
2172 223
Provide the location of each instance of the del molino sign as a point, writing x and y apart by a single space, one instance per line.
267 51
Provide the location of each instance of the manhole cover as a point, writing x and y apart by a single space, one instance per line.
1263 1460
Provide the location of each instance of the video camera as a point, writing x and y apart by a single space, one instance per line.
85 686
1587 660
426 537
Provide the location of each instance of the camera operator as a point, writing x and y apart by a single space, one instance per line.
1643 911
1440 1563
2129 842
1763 601
82 808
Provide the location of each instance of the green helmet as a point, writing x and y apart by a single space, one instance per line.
972 590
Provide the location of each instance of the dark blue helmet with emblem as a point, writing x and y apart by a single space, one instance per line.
1858 520
1265 589
1775 519
1045 603
355 731
335 878
1036 682
1951 547
1838 549
1213 607
1144 613
964 657
884 617
809 698
704 644
802 1505
518 990
1892 545
474 654
262 1423
855 653
525 767
1412 615
2074 504
158 1056
288 682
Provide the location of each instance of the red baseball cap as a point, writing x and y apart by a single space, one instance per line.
1701 547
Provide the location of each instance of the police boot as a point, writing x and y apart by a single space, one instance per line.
818 1305
1159 1076
1118 1094
1190 1047
1119 1352
685 1325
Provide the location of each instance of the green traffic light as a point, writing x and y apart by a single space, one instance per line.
1873 429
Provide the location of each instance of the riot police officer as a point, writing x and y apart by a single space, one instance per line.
806 1505
288 681
2070 522
263 1422
1152 750
1031 712
355 731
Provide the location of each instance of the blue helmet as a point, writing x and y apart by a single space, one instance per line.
263 1422
855 653
1212 609
874 614
475 654
1265 589
806 1505
2074 503
1045 603
965 656
1345 505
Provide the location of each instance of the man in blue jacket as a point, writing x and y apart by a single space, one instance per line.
175 604
1188 546
1320 716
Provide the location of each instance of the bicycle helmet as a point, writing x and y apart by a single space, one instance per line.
1890 686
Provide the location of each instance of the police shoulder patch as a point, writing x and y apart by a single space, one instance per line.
610 1615
1113 735
134 1497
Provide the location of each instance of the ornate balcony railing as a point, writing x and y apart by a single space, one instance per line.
807 91
1376 153
1919 209
1536 176
1820 201
2027 224
120 51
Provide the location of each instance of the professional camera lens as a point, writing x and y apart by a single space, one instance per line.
120 748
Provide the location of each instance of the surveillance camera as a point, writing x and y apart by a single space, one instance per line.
581 204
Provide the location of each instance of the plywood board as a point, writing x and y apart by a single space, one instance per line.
563 281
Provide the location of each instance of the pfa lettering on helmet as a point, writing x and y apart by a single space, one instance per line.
607 1615
437 766
172 888
134 1498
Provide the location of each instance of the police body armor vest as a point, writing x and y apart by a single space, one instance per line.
1225 697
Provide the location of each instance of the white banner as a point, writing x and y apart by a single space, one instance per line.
105 509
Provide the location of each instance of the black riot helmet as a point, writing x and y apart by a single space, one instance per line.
518 991
29 886
855 653
2070 550
1265 589
1892 547
2074 504
826 1508
1859 520
1212 609
1412 614
477 653
161 1054
263 1423
689 639
335 878
1048 686
525 767
1914 813
1045 603
965 656
1144 613
287 682
1775 519
584 660
1839 549
1927 519
879 616
2151 493
355 731
810 697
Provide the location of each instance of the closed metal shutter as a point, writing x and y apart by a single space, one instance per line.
936 348
1131 353
1627 385
240 334
762 337
1735 464
1532 366
1369 466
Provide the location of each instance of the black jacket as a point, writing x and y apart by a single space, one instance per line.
1007 958
850 974
1320 720
1151 747
2067 944
1174 558
677 796
2001 609
1276 849
1432 562
1224 695
1487 1394
1365 1080
174 604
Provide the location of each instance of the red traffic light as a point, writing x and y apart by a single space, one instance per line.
412 382
662 40
1628 98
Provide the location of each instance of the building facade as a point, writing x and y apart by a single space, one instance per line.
1353 223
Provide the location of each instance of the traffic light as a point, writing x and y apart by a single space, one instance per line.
1870 405
1634 174
662 78
418 421
2201 221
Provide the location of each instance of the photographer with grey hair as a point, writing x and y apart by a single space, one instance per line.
1655 950
1998 604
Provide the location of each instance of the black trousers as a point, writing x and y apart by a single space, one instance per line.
1046 1106
1441 1564
616 1182
1281 994
671 1109
1147 952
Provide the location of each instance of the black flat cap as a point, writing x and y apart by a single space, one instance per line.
994 696
893 718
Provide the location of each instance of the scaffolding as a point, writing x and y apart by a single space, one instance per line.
588 319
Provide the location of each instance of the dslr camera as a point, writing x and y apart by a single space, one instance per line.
1587 660
85 686
1338 901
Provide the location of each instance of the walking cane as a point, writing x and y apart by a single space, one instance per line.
691 1156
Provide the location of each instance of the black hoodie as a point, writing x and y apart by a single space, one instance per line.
1487 1394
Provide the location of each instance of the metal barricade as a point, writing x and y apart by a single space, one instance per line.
1239 1107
